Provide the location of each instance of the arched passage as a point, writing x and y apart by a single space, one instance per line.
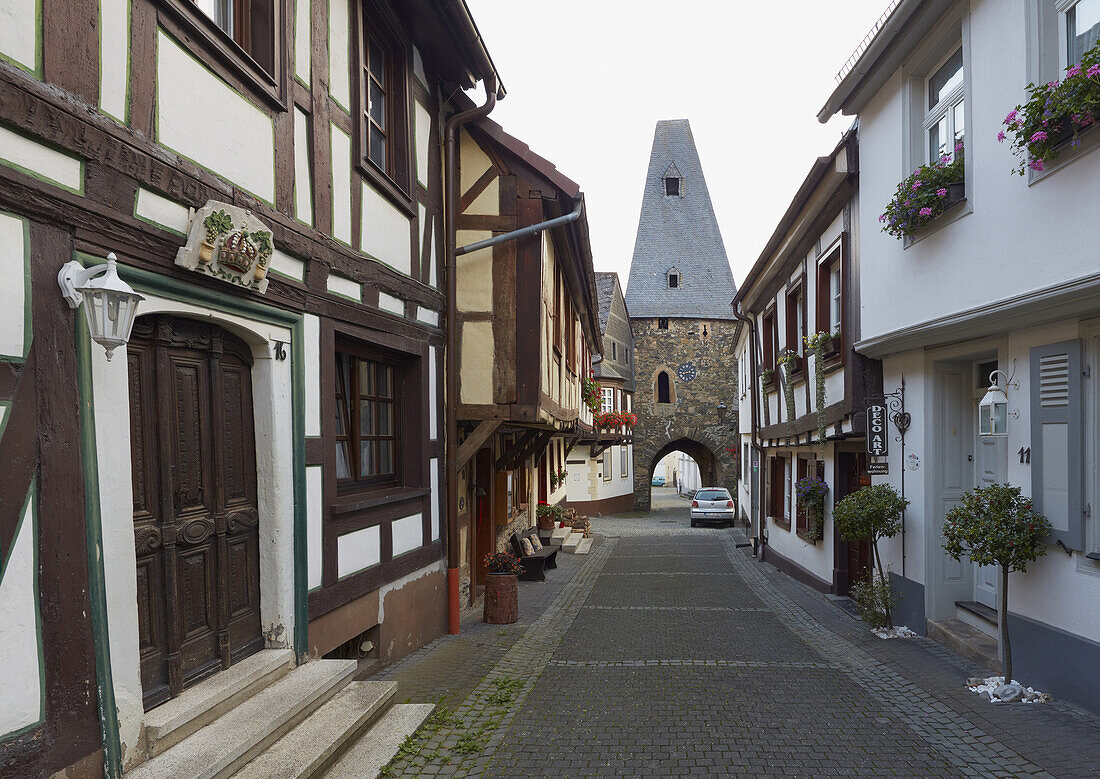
710 470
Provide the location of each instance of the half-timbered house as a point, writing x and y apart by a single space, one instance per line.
528 325
600 469
255 479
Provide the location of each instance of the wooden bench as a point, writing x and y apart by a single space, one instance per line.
534 565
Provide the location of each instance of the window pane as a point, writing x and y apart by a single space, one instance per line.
959 116
367 465
945 79
377 147
1082 28
385 381
343 471
938 136
834 309
383 418
376 60
385 457
377 103
366 417
366 377
342 421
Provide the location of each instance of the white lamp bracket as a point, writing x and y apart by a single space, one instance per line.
1010 381
73 276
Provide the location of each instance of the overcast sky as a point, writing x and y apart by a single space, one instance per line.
587 81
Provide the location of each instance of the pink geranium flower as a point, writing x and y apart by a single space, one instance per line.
926 211
916 185
1094 70
942 191
1039 136
1011 117
1075 70
1037 164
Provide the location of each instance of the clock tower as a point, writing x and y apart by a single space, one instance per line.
679 297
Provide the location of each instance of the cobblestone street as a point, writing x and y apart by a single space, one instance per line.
670 652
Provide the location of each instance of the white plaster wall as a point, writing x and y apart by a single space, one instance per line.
315 512
162 211
358 550
21 631
437 495
995 248
341 185
394 305
385 231
285 265
815 558
114 56
312 336
302 60
303 178
407 534
41 161
345 287
433 393
203 118
427 316
339 53
273 418
19 31
13 303
423 133
475 273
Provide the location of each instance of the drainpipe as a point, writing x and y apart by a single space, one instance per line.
451 195
758 536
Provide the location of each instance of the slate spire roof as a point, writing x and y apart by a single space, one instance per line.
680 233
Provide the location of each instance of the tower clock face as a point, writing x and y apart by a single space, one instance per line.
686 372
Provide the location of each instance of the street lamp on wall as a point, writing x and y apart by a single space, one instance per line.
721 410
110 304
993 408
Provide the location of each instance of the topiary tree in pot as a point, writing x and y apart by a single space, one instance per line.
997 525
872 513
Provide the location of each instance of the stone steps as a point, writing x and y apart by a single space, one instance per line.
227 743
584 547
378 746
571 543
171 722
967 641
319 740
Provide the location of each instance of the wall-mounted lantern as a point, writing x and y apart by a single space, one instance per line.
993 408
110 304
721 410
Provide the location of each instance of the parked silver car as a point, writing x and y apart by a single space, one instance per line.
712 504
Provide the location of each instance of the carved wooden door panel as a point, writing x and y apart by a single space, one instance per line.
195 512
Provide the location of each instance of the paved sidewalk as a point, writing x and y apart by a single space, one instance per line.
670 652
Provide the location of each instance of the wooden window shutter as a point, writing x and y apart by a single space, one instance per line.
1057 451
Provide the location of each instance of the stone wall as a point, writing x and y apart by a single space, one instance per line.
691 421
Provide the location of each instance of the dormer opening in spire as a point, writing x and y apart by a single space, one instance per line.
672 181
673 277
672 186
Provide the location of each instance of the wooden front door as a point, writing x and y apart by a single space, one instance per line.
193 456
857 556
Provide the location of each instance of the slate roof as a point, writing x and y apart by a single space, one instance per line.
605 293
678 232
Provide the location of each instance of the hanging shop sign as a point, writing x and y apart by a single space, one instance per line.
228 243
877 436
878 467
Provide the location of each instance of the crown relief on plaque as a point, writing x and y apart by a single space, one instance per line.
229 243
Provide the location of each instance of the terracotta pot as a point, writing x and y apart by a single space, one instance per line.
501 599
546 522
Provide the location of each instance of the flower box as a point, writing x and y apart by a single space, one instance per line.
925 194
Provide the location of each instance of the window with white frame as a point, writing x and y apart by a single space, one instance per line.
608 403
944 122
622 462
835 298
1082 28
787 487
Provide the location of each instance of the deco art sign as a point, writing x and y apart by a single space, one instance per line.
877 436
228 243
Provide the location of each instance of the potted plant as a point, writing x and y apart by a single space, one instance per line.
791 360
810 492
217 224
590 394
925 194
871 513
1055 114
501 588
997 525
548 516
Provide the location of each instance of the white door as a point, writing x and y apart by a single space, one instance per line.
989 468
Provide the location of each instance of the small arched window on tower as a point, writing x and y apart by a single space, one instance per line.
664 393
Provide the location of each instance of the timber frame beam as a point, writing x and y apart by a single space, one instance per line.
478 436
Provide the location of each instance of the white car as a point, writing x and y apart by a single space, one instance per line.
712 504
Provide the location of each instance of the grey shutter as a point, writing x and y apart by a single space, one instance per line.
1057 453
